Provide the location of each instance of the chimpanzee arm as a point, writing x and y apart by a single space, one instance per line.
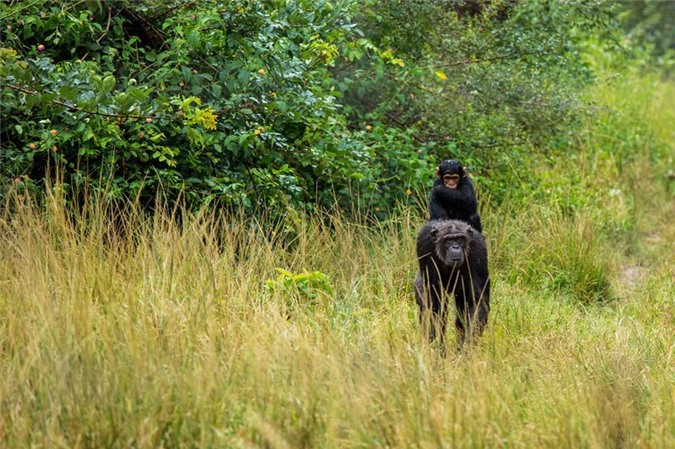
460 201
475 223
436 209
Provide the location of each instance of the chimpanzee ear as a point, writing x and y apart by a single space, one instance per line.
433 232
438 172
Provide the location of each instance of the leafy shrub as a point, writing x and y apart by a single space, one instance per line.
302 290
227 102
271 104
488 83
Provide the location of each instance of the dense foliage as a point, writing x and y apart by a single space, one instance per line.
651 21
223 100
271 103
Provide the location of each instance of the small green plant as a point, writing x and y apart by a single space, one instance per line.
308 286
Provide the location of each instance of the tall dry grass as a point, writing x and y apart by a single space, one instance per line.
167 337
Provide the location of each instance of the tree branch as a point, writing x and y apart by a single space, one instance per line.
107 27
19 10
71 106
492 58
163 14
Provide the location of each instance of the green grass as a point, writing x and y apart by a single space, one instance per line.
167 336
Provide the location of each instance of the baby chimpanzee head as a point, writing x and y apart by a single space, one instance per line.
450 172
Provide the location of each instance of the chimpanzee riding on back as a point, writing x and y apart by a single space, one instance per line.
453 196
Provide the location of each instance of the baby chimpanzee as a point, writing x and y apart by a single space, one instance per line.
453 196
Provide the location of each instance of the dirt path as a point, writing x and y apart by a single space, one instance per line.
656 242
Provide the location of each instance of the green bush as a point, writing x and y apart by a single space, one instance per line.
270 104
489 83
302 289
214 101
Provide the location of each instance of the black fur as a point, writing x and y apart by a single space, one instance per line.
457 204
453 259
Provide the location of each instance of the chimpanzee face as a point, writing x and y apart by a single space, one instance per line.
450 247
451 181
453 246
450 172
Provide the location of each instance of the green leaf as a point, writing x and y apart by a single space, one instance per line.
33 100
88 135
243 77
186 72
67 92
138 94
283 273
243 138
108 84
194 38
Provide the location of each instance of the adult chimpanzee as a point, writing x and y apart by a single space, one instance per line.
453 196
452 259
